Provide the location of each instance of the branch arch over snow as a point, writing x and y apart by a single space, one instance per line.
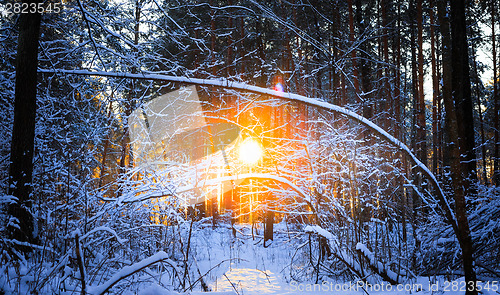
224 83
245 176
255 176
130 270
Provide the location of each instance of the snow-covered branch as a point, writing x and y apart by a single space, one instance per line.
224 83
130 270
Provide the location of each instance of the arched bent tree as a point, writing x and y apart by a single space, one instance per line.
222 83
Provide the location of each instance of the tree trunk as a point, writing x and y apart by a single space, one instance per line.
496 160
362 24
241 48
416 136
353 52
106 144
334 74
386 88
477 91
461 89
269 226
212 39
397 75
23 133
420 101
458 169
229 60
126 153
298 65
435 95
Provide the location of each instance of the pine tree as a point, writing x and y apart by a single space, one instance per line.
23 134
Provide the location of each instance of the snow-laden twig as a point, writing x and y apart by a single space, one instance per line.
257 176
90 34
337 250
104 228
232 285
246 176
30 245
8 199
130 270
377 266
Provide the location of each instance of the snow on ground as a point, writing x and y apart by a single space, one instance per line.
243 266
250 268
241 278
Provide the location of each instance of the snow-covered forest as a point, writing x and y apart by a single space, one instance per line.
249 147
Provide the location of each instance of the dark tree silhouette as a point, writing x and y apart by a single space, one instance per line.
21 166
461 93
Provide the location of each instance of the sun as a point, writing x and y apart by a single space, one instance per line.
250 151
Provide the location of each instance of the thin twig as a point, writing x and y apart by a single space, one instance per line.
81 266
90 34
232 285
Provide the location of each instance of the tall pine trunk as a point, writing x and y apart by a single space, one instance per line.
461 89
459 173
420 101
435 95
496 160
23 133
354 63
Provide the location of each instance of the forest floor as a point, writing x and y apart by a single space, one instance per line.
222 264
243 266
